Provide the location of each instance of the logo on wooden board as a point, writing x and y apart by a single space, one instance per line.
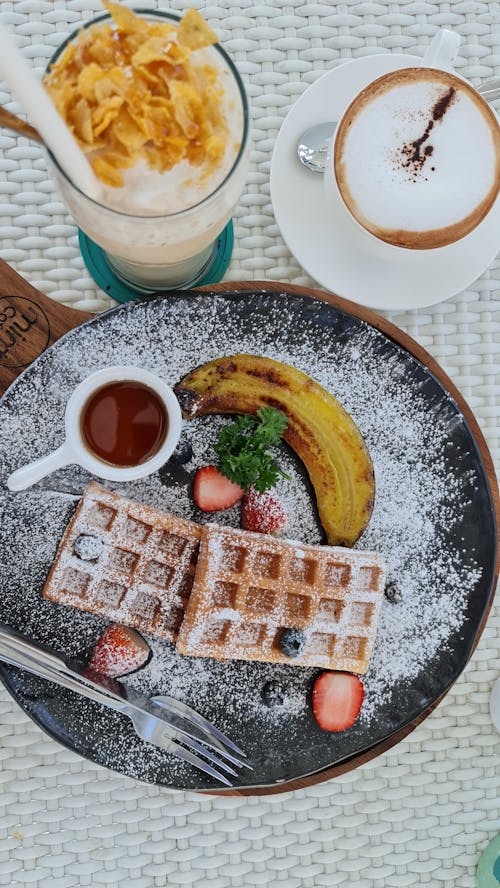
24 331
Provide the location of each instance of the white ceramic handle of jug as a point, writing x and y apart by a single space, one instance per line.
33 472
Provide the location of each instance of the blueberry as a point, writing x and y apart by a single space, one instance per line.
393 593
181 455
88 547
272 694
292 642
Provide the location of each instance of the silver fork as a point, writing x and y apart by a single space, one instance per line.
172 710
156 729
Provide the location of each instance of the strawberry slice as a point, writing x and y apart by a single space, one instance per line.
213 491
118 651
336 699
263 512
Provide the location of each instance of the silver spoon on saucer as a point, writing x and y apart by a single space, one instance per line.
314 143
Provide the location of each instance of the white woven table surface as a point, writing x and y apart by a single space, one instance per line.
421 813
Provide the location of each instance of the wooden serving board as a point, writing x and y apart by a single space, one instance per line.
30 322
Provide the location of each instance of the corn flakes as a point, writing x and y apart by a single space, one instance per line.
194 31
130 90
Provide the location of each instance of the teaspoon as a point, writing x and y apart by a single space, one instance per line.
314 143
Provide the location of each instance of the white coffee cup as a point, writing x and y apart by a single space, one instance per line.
74 451
386 180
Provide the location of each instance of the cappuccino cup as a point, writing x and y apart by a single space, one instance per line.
416 155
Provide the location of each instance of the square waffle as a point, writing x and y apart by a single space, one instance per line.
249 587
145 567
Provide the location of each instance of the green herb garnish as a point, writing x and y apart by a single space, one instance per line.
243 449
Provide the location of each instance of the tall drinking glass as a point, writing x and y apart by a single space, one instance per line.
150 248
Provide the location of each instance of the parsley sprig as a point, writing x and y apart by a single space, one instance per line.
243 449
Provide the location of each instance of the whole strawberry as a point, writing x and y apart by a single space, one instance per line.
263 512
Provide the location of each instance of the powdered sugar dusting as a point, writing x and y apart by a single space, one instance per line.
118 651
426 481
88 547
144 571
250 587
264 512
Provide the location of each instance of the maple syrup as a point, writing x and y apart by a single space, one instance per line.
124 423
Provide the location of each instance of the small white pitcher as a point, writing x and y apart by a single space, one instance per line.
75 452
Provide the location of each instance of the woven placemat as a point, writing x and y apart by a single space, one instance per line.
418 815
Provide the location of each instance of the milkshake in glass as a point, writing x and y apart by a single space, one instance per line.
160 227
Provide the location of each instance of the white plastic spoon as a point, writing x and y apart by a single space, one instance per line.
16 72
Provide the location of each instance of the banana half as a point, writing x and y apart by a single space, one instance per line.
319 430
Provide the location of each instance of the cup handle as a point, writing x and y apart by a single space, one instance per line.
443 49
30 474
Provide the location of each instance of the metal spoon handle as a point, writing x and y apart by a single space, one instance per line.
491 94
489 86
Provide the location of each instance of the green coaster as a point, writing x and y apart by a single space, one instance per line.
101 271
488 868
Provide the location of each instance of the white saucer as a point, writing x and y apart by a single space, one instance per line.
329 244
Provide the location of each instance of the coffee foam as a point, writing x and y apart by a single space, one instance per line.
417 158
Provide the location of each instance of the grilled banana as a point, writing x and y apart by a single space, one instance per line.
319 430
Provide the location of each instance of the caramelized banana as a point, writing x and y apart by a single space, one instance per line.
319 430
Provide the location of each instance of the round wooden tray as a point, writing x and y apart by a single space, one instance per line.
30 322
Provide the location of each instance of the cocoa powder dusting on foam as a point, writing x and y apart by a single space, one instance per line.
413 153
441 107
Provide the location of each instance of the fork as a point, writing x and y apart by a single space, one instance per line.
156 729
175 709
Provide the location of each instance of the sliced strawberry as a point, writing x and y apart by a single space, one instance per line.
213 491
336 699
263 512
118 651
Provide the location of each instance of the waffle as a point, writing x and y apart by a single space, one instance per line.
144 570
249 587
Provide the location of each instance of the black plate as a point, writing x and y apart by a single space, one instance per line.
433 521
